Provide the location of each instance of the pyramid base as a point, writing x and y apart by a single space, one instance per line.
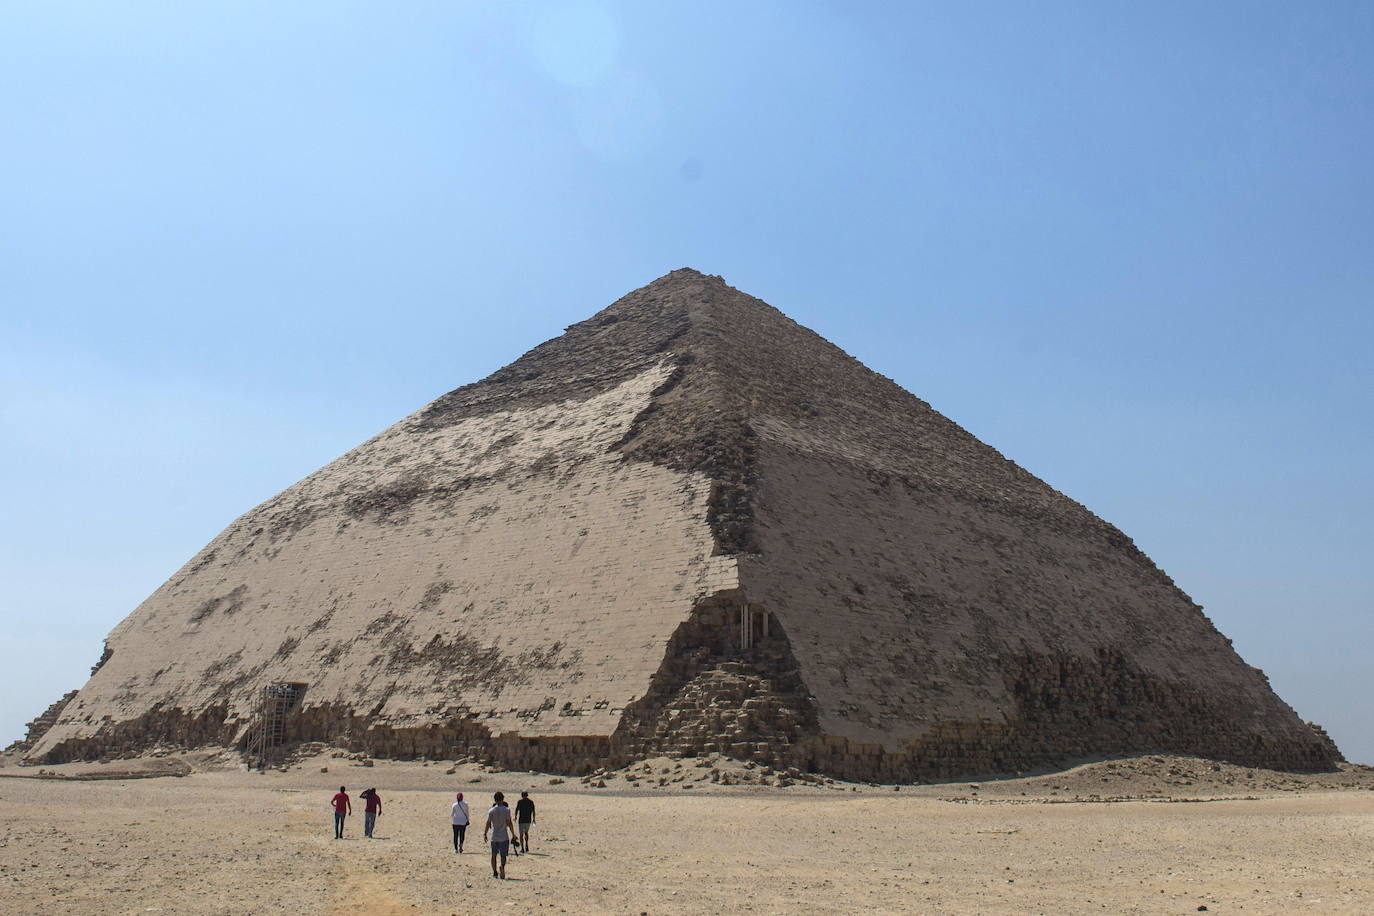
752 706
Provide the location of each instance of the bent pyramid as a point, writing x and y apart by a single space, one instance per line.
686 525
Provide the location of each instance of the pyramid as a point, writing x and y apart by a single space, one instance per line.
687 526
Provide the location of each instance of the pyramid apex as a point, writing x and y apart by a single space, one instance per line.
688 273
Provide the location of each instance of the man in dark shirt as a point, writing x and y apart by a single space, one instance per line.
524 817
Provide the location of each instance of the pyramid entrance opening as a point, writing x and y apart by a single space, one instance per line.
754 625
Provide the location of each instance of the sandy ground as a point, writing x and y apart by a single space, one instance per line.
1150 835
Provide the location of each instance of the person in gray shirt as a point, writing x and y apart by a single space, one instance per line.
499 828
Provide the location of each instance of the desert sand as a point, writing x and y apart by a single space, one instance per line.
1147 835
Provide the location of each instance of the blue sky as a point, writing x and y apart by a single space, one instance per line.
1128 245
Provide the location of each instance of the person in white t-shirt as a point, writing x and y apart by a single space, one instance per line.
459 816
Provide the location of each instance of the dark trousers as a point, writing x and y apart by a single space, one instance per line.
369 821
338 824
459 832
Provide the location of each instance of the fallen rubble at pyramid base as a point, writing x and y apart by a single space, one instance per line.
730 685
963 751
713 697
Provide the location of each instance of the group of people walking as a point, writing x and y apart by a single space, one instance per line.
503 829
343 807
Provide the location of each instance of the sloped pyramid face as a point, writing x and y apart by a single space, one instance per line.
686 525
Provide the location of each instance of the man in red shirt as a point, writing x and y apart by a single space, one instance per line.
342 807
370 811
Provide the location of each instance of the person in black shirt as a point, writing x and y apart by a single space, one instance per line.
524 817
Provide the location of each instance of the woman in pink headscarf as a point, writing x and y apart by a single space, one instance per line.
459 816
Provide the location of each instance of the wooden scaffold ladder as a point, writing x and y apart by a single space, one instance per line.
269 729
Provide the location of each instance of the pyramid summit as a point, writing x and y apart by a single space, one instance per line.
686 525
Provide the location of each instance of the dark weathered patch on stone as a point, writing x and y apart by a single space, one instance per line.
241 683
322 621
330 656
215 669
230 603
286 522
203 561
462 663
433 595
392 504
384 622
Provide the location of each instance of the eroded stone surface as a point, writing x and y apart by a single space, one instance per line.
508 570
688 525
